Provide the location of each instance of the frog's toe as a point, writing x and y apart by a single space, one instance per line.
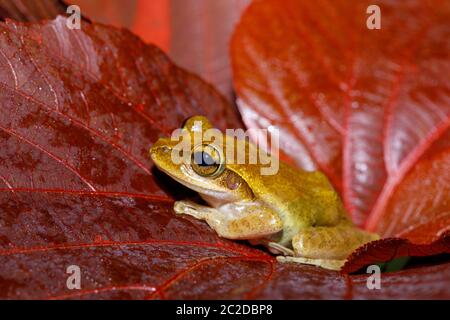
323 263
278 248
186 207
190 208
179 207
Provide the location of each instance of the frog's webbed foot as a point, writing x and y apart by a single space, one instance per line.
278 248
323 263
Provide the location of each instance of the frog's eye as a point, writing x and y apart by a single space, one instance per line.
207 161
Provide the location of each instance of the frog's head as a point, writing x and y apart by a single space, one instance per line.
204 170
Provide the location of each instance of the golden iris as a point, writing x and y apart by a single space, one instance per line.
207 160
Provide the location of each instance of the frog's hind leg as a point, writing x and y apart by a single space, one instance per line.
328 247
278 248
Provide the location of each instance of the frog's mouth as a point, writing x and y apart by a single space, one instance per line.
188 172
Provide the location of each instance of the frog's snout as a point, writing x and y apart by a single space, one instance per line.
160 147
153 155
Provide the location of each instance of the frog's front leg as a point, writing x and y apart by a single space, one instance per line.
328 247
241 220
193 209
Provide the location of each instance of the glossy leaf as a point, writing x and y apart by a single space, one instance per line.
200 36
150 20
195 33
79 111
371 108
31 10
389 248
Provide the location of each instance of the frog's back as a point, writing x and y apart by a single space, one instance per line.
301 198
291 183
287 185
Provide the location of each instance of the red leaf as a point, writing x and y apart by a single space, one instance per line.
390 248
371 108
79 111
201 31
148 19
31 10
195 33
425 282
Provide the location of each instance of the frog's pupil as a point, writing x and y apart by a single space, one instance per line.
203 159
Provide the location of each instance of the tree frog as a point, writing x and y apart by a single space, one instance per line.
296 214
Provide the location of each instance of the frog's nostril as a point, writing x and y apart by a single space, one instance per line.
165 149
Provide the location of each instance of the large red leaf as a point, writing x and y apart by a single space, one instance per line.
150 20
371 108
389 248
195 33
31 10
425 282
200 35
79 110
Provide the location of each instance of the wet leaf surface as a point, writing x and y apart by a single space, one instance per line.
79 111
370 108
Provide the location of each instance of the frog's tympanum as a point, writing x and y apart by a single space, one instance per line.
295 214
